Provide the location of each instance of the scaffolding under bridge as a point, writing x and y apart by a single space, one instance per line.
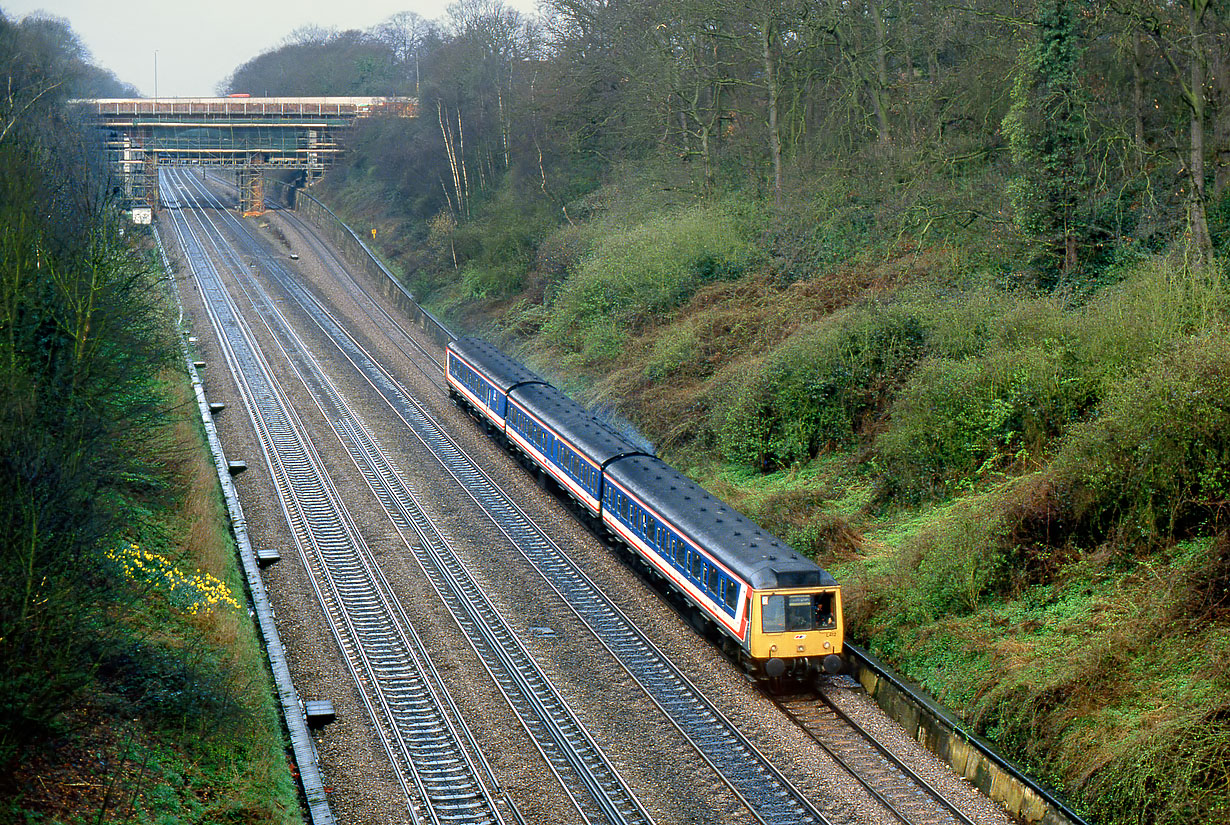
250 135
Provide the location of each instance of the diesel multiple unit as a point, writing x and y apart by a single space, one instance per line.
775 610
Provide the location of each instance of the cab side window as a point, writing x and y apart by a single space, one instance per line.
825 617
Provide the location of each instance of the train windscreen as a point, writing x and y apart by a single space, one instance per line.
796 612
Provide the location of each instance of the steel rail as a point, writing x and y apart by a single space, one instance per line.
558 734
338 268
306 760
761 786
949 812
908 797
428 751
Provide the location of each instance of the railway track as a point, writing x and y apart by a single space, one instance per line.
573 757
908 797
436 771
768 795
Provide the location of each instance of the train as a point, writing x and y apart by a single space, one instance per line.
778 613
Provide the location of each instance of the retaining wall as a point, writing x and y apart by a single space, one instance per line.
360 256
969 755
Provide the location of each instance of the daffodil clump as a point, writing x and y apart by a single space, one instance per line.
193 593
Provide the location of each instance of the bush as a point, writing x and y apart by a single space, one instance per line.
636 275
817 387
1155 463
956 421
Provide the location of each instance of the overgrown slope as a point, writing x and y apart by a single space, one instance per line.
1023 491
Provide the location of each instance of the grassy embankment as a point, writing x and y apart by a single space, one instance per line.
1023 491
171 718
178 724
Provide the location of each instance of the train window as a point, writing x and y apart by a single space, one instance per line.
731 594
681 553
773 614
800 612
697 565
792 612
825 615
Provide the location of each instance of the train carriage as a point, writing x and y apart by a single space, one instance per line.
777 610
782 610
480 376
558 435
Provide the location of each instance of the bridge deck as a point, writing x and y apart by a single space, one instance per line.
249 108
248 133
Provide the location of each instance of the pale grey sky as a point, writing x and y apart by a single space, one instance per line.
199 44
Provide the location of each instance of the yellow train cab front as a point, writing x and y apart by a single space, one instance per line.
790 626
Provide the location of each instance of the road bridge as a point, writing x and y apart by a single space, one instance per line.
248 134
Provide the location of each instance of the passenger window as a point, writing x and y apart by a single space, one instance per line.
773 614
697 564
731 596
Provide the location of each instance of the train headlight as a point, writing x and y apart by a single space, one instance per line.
800 648
773 648
827 645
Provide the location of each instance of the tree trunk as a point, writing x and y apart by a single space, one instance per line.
775 138
1221 118
880 86
1201 241
1138 90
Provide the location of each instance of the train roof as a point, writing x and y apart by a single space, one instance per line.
595 440
504 371
742 545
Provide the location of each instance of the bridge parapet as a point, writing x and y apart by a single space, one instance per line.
277 107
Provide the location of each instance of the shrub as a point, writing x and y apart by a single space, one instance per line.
816 388
1154 463
953 564
634 276
959 420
